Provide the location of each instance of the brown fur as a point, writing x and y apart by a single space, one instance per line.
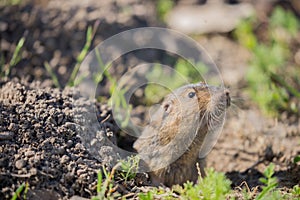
171 143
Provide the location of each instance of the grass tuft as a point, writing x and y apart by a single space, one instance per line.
16 57
129 168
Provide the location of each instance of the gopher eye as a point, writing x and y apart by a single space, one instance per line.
191 94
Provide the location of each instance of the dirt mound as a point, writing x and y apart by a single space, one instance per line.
40 143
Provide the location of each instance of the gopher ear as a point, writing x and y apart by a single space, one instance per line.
167 107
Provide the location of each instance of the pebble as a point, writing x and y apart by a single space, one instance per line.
64 159
61 150
33 171
69 143
29 153
79 146
60 118
13 127
7 135
70 125
3 26
20 164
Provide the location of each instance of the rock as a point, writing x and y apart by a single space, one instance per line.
64 159
29 153
208 18
7 135
69 143
20 164
33 171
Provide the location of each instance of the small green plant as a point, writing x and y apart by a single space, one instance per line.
297 159
244 33
22 188
105 187
146 196
163 7
129 168
285 20
159 193
268 85
16 57
270 184
296 191
214 186
17 194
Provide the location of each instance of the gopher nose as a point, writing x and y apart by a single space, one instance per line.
227 93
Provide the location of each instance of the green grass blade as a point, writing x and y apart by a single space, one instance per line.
26 190
265 191
16 56
89 37
52 74
18 192
99 184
